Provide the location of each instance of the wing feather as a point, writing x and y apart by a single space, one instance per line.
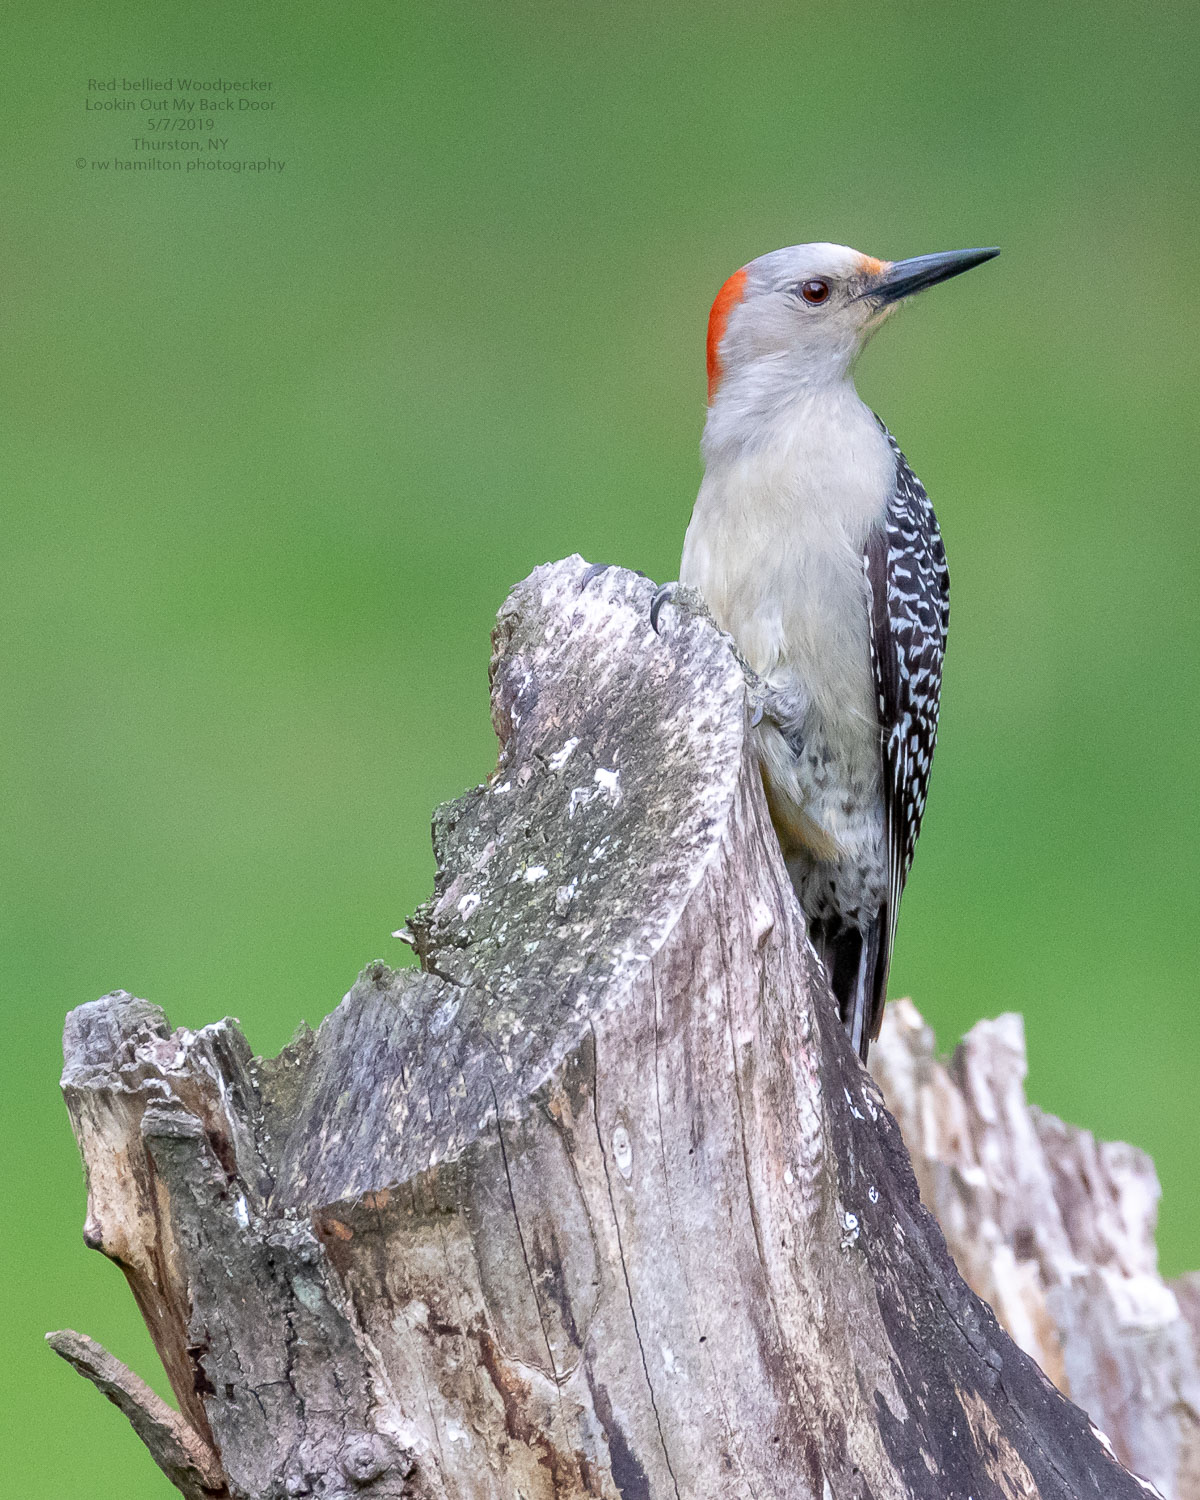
909 586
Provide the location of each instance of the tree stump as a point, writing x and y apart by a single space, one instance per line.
599 1202
1055 1230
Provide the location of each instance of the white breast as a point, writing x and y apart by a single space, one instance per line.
775 546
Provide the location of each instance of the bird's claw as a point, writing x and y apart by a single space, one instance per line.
760 700
662 595
594 571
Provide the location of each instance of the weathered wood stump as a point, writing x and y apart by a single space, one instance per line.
600 1202
1055 1230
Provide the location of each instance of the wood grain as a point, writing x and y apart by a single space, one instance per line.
599 1202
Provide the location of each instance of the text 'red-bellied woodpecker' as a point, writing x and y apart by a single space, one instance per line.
815 546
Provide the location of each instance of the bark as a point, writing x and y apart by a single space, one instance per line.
599 1202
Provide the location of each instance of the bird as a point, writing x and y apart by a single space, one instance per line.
815 547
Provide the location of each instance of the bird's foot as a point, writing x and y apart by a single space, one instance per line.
678 594
760 700
768 704
663 594
682 596
595 570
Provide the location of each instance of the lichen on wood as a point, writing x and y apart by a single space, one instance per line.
599 1202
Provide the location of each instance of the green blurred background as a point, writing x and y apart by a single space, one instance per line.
275 447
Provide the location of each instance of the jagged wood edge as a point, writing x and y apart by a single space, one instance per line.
972 1321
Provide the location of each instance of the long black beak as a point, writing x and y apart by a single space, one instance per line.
904 277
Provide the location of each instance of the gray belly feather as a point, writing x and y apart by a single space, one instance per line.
832 771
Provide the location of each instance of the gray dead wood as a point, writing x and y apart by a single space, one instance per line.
1056 1231
600 1202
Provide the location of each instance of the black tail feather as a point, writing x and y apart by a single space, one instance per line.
857 961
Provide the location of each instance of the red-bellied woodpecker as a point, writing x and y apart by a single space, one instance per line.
815 546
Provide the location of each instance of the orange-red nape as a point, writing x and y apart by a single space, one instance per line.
727 299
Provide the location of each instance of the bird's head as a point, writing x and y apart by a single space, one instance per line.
798 317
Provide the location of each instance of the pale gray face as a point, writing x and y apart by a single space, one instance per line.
804 313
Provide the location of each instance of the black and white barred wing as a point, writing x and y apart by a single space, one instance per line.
910 610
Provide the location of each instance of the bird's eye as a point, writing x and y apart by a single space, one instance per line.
815 290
